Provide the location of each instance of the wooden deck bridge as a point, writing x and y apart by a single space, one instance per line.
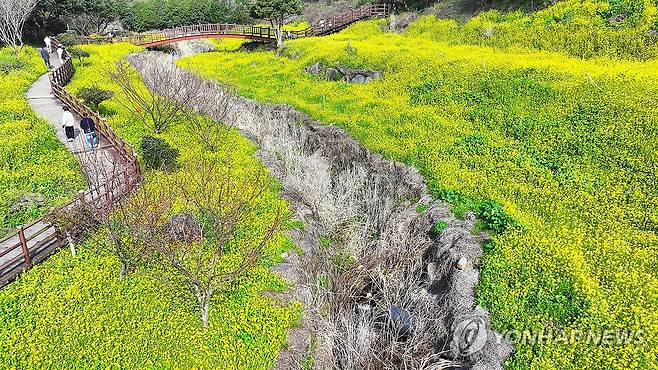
256 33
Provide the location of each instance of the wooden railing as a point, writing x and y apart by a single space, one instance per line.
339 22
260 33
46 236
25 256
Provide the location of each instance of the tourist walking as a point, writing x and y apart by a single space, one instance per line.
68 122
60 53
49 44
88 126
46 57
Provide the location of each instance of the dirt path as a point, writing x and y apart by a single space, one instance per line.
101 166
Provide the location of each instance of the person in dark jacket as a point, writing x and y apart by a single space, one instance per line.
46 57
88 126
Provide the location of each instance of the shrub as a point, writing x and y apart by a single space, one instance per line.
92 96
77 53
438 227
70 39
168 49
158 154
10 62
494 217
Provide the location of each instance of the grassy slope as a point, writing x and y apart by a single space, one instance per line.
32 160
73 313
567 146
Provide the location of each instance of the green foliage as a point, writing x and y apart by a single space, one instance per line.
147 320
325 241
438 227
561 145
92 16
420 208
92 96
143 15
32 160
158 154
77 53
296 224
276 11
494 217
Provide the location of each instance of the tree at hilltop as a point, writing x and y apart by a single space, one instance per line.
276 12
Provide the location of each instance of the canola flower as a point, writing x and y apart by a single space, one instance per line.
566 145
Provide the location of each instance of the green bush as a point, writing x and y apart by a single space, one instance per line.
92 96
70 39
158 154
9 62
77 53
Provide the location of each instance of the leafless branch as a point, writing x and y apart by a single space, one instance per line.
13 14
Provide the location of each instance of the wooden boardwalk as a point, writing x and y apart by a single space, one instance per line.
42 100
111 170
255 33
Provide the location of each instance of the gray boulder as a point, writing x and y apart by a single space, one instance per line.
333 74
315 69
184 228
358 79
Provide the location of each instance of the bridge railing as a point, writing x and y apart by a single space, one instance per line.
330 25
323 27
256 32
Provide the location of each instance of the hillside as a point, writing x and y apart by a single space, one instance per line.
547 130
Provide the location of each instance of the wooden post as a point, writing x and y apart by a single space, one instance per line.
58 236
26 252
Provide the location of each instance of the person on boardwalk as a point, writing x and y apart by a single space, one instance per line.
49 44
68 122
88 126
60 53
46 57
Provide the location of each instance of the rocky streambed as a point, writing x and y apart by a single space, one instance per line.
387 276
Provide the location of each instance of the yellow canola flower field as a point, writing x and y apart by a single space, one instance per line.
74 313
557 154
33 163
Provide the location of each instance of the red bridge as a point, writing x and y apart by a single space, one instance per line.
256 33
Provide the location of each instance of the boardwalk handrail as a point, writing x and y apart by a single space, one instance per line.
254 32
123 183
58 79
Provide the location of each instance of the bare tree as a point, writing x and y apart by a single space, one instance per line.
205 119
103 208
213 205
13 14
175 91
